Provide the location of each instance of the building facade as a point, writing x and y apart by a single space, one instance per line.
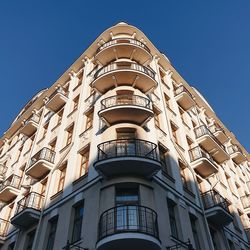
122 153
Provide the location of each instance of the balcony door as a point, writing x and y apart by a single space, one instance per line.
127 214
126 143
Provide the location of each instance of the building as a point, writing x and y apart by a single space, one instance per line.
122 153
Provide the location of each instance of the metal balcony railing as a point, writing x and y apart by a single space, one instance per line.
44 154
245 200
181 89
34 118
122 66
197 153
212 199
234 149
127 148
122 41
120 100
32 200
4 227
14 181
203 130
128 218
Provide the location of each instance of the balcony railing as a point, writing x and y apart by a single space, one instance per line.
44 154
215 128
34 118
245 200
4 227
197 153
32 200
212 198
120 100
122 66
234 149
129 218
127 148
181 89
14 182
203 130
122 41
58 90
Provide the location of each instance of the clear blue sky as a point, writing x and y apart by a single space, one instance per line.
208 42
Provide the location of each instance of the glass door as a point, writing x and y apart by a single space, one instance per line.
127 214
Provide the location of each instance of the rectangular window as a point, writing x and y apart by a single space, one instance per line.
84 166
184 179
30 239
62 178
163 153
59 117
11 246
127 196
174 129
193 221
127 213
77 222
167 100
52 233
157 120
52 144
89 121
69 134
75 103
172 218
231 245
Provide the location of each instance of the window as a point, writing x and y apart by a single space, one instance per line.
77 222
172 218
167 100
126 133
75 103
163 153
62 177
45 129
156 117
60 115
84 162
30 239
11 246
193 221
184 177
52 233
19 153
69 134
127 196
53 145
174 129
127 212
231 245
214 238
189 141
89 121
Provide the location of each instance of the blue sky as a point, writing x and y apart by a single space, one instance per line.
208 42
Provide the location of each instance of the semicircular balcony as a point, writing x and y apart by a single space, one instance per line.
126 108
127 156
128 227
123 48
124 73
